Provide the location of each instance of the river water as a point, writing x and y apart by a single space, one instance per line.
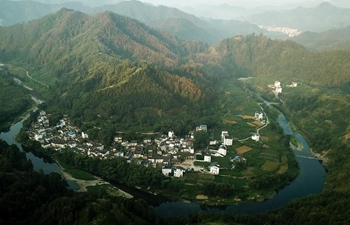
309 181
39 164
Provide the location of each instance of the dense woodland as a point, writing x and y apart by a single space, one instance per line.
111 73
14 99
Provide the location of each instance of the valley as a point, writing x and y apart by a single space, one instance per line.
236 126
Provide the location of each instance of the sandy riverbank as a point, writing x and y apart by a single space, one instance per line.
83 184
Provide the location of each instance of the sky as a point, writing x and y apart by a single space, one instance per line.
246 3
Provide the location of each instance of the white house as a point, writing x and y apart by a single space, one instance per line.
202 128
83 135
118 139
256 137
277 84
223 134
179 171
222 150
259 116
166 171
215 142
228 140
171 134
279 90
207 158
214 168
293 85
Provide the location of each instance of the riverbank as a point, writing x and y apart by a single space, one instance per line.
83 184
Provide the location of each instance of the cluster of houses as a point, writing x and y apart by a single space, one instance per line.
166 152
64 135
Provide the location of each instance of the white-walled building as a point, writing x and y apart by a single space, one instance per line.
256 137
228 140
171 134
277 84
207 158
222 150
223 134
259 116
202 128
179 171
166 171
214 168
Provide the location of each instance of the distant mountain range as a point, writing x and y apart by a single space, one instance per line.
181 24
329 40
318 19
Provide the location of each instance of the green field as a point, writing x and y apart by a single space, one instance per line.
79 174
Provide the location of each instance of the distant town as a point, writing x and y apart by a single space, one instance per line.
285 30
169 153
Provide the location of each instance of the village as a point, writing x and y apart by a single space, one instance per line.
173 155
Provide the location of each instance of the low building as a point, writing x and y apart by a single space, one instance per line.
259 116
214 168
207 158
202 128
179 171
222 150
228 140
223 134
256 137
166 171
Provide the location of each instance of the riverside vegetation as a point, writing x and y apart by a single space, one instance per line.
107 67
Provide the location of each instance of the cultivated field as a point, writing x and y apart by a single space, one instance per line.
243 149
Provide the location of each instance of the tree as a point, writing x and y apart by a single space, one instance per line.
201 140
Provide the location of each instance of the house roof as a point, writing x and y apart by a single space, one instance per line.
214 164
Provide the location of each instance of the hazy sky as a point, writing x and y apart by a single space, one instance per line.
251 3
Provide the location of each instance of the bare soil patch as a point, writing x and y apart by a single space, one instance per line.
229 121
270 166
264 138
202 197
243 149
283 169
251 124
257 123
246 117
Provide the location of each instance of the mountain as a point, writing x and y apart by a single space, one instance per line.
221 11
146 12
115 65
184 25
318 19
330 40
257 55
181 24
13 12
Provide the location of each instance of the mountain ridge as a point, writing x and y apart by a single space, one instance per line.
305 19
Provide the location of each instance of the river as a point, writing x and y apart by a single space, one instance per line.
39 164
309 181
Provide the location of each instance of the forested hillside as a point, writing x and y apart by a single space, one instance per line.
335 39
111 68
14 99
321 18
29 197
257 55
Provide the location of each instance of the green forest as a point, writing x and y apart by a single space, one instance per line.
14 99
110 73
